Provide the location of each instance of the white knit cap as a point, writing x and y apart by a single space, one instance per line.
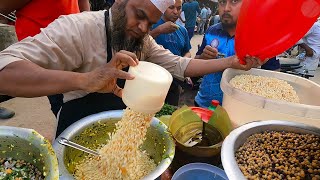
162 5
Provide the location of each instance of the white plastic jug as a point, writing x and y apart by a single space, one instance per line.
147 92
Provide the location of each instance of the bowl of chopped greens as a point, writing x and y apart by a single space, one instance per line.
25 154
166 109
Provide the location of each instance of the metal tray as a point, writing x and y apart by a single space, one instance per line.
238 136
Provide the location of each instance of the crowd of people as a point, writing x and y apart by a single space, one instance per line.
83 57
80 59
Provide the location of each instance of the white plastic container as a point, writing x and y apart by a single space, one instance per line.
243 107
147 91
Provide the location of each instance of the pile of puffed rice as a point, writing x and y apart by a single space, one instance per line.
267 87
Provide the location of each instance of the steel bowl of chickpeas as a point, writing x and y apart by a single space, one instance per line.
272 149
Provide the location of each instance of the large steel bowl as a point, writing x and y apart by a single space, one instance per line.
92 131
238 136
28 145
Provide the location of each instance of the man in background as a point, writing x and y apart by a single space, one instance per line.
311 44
175 38
191 8
35 14
203 19
215 19
208 18
218 38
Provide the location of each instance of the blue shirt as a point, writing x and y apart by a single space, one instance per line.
177 42
190 12
210 86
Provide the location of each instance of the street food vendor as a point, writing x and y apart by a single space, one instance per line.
84 55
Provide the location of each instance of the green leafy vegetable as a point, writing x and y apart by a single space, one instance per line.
166 110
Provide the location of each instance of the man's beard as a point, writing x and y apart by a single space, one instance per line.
227 25
119 39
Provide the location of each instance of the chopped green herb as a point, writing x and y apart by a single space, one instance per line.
166 110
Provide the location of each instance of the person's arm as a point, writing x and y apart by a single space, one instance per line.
165 28
7 6
26 79
199 67
155 32
84 5
181 67
59 47
302 44
308 49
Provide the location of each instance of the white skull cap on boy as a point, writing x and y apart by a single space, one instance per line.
162 5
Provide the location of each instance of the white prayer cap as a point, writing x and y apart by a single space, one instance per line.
163 5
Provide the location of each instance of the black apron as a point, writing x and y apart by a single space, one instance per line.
92 103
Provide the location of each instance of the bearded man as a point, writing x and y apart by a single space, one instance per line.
84 55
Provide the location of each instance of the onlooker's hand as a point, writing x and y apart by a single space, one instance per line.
209 53
104 78
168 27
309 52
251 62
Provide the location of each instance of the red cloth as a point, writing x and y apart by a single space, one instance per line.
39 13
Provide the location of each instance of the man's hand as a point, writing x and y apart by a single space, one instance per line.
251 62
209 53
308 49
168 27
104 79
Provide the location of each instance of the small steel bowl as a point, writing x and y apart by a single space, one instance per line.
92 131
238 136
30 146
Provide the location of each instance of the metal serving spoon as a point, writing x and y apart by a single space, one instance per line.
66 142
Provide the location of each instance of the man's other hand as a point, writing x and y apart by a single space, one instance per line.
209 53
251 62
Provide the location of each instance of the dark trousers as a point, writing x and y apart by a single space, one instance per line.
173 94
56 102
93 103
190 32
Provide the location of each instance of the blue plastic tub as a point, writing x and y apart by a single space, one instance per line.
199 171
